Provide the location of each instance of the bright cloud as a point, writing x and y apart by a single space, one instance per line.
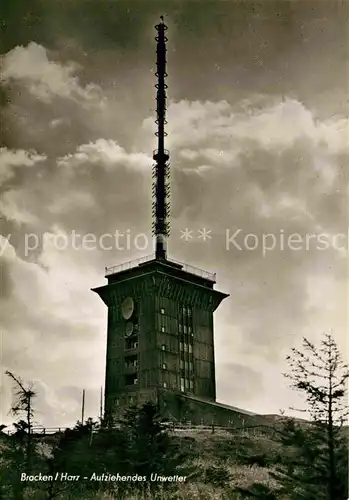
273 125
107 154
44 78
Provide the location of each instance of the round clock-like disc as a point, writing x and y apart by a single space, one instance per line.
129 328
127 308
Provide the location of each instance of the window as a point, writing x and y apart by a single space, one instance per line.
163 347
180 328
182 384
164 366
191 385
162 311
190 366
162 328
131 399
185 347
181 365
117 401
190 348
185 328
165 385
135 381
131 363
186 311
181 346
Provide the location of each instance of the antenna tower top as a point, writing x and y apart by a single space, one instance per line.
161 189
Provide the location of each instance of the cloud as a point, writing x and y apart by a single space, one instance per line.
46 79
75 199
246 161
274 125
58 122
106 154
10 160
52 310
77 188
14 206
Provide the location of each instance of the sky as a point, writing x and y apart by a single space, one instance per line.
257 130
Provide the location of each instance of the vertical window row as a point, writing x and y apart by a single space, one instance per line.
164 325
186 338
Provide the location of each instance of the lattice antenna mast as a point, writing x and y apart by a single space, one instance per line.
161 189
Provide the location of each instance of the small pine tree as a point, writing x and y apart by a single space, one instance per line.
149 447
23 405
315 465
20 454
73 451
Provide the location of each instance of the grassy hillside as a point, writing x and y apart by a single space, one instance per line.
218 462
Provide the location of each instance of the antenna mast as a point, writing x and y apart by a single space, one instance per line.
83 407
161 189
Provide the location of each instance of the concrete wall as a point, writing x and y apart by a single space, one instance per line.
181 408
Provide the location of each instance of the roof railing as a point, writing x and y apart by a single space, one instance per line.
128 265
136 262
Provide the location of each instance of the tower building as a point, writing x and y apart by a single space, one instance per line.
160 340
